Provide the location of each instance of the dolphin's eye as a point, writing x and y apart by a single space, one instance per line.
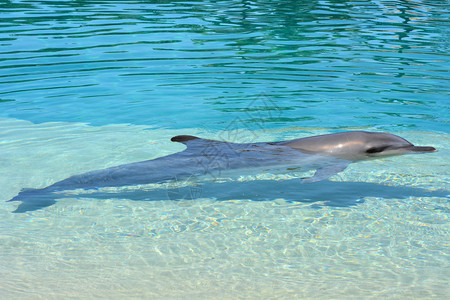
376 149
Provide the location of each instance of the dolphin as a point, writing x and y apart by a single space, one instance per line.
328 154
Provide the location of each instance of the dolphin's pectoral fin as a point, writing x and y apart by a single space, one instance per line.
325 172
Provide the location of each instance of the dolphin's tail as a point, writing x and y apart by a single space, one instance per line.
33 199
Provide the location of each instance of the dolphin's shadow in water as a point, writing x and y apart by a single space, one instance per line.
330 193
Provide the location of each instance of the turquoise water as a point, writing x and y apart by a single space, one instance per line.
86 85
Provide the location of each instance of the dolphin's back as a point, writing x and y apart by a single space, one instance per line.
150 171
326 143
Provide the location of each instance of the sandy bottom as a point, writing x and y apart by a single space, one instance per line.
378 230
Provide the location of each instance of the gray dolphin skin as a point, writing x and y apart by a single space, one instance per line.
328 154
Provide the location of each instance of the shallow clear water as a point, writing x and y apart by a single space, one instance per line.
89 85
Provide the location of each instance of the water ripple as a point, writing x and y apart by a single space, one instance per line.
129 62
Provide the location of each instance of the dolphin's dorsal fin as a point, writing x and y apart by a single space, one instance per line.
192 141
184 138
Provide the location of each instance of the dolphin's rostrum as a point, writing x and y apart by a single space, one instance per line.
327 154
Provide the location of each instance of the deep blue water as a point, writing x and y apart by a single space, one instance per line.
204 64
